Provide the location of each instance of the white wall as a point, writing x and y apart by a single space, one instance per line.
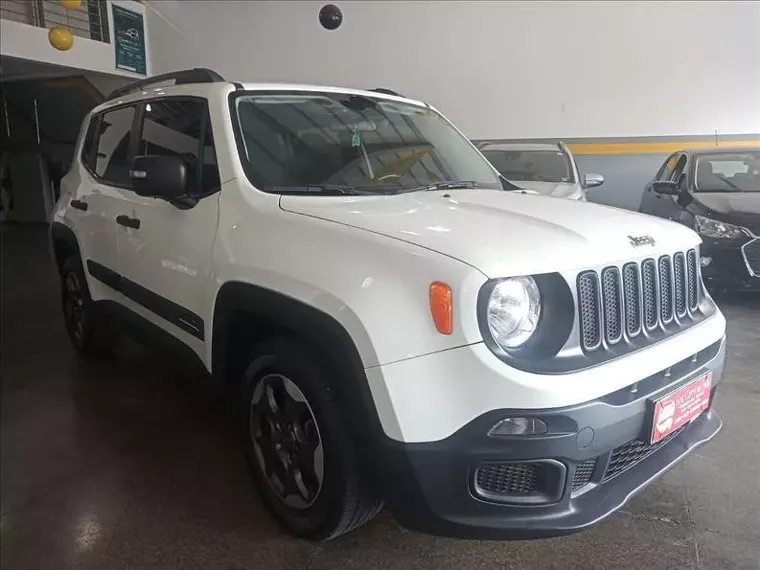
31 43
497 69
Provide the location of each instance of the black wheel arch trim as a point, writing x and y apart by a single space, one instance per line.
332 341
62 235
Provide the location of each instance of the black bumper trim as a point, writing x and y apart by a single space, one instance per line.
428 486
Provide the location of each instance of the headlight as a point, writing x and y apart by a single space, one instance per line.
514 308
715 229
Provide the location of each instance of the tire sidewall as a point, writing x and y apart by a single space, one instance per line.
319 519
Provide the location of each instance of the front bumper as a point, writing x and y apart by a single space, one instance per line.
729 268
431 487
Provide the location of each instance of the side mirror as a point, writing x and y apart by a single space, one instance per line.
668 187
159 176
593 180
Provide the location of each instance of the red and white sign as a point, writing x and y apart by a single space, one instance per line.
682 406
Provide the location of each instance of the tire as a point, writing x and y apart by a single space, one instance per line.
89 329
286 401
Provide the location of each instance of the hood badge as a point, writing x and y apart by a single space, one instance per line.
638 241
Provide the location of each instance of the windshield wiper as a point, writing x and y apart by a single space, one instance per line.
322 189
443 185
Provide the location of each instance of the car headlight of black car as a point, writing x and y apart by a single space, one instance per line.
715 229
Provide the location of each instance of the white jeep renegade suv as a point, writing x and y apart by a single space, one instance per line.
399 326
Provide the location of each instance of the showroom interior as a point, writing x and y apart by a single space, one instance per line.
637 118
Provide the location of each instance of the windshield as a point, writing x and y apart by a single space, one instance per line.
531 165
734 172
304 139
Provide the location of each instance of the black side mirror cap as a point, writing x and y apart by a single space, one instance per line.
159 176
668 187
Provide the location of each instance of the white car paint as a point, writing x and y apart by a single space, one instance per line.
570 190
500 233
553 189
459 385
368 262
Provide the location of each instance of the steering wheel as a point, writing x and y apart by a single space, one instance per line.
387 176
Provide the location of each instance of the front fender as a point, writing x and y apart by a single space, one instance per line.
375 287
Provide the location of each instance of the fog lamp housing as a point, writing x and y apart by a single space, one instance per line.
509 427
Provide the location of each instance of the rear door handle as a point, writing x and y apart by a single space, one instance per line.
79 205
128 222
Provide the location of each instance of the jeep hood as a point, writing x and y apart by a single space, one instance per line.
502 233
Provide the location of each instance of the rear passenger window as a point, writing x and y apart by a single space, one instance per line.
176 127
112 159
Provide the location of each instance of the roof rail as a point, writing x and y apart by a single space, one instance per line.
183 77
386 91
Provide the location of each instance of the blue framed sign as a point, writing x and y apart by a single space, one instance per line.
129 40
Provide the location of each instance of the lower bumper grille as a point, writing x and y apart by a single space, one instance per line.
751 252
583 473
507 478
629 454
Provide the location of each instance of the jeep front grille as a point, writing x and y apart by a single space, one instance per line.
615 305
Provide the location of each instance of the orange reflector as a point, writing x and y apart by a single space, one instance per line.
441 307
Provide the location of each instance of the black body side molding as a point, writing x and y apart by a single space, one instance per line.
176 314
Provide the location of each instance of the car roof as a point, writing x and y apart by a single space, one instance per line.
210 89
520 146
721 150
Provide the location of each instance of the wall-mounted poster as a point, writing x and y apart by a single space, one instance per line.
129 40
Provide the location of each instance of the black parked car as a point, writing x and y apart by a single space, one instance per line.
716 192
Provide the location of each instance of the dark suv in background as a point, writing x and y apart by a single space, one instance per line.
716 191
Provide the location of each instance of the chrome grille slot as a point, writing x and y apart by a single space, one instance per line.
632 299
649 288
693 275
679 284
612 303
590 313
666 290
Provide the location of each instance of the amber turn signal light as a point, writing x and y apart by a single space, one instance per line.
441 307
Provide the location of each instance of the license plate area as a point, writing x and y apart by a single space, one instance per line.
680 407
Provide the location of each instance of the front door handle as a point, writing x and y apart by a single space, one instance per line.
79 205
128 222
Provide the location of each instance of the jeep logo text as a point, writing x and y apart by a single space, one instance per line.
638 241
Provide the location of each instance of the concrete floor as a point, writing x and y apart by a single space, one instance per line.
129 464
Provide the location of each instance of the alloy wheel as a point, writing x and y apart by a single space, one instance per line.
74 307
287 441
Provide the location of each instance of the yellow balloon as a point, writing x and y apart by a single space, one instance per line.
71 4
61 38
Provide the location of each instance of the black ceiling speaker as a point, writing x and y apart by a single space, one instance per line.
330 17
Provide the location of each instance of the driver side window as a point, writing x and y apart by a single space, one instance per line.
667 168
180 127
673 167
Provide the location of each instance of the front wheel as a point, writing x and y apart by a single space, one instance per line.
302 459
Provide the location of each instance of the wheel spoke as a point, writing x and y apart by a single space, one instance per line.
300 483
272 399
